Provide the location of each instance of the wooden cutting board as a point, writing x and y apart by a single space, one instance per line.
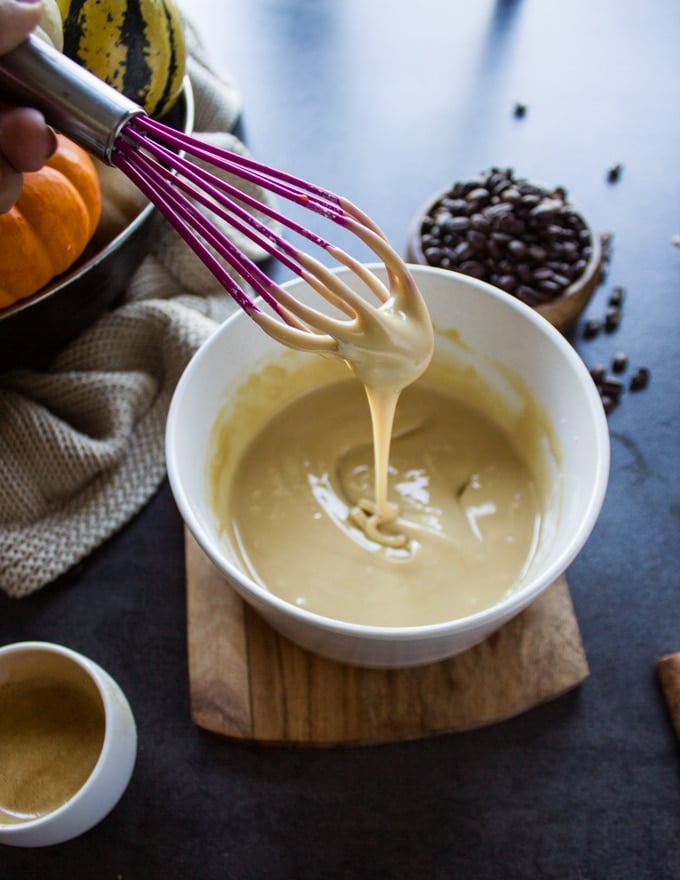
249 683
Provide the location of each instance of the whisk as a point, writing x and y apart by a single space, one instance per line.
154 157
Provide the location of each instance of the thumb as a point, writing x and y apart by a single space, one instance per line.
17 19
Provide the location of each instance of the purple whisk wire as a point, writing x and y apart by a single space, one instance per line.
284 184
157 159
145 152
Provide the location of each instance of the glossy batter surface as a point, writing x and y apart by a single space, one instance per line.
467 505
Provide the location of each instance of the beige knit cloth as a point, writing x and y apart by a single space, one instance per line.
82 443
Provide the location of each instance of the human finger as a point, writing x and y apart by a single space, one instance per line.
26 142
17 19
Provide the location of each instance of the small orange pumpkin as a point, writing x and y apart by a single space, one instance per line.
51 223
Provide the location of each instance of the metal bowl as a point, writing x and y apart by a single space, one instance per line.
34 329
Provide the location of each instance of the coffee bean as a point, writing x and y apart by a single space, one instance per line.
480 222
614 173
496 252
511 194
514 225
479 194
546 209
507 282
598 373
609 403
473 268
529 295
455 224
476 239
640 379
469 185
517 248
498 210
570 251
592 328
612 388
620 362
496 181
562 280
550 287
617 296
455 206
538 253
524 272
434 255
462 251
612 318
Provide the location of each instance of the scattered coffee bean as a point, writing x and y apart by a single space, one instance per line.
616 297
598 373
520 110
606 247
640 379
497 226
612 388
620 362
612 318
614 173
592 328
608 403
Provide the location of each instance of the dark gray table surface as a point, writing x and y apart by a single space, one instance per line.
387 103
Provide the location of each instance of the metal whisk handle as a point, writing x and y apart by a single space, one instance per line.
71 99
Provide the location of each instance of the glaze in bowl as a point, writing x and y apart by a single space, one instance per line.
496 336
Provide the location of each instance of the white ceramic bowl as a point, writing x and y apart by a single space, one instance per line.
108 780
501 337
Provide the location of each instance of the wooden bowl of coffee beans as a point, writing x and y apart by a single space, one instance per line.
519 236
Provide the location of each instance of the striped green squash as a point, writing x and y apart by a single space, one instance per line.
137 46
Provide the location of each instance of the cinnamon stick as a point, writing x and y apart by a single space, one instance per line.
668 672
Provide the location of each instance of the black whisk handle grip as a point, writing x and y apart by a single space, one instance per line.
72 100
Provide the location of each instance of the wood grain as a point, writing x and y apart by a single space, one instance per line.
248 682
668 672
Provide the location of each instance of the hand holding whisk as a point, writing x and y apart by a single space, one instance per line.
155 158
